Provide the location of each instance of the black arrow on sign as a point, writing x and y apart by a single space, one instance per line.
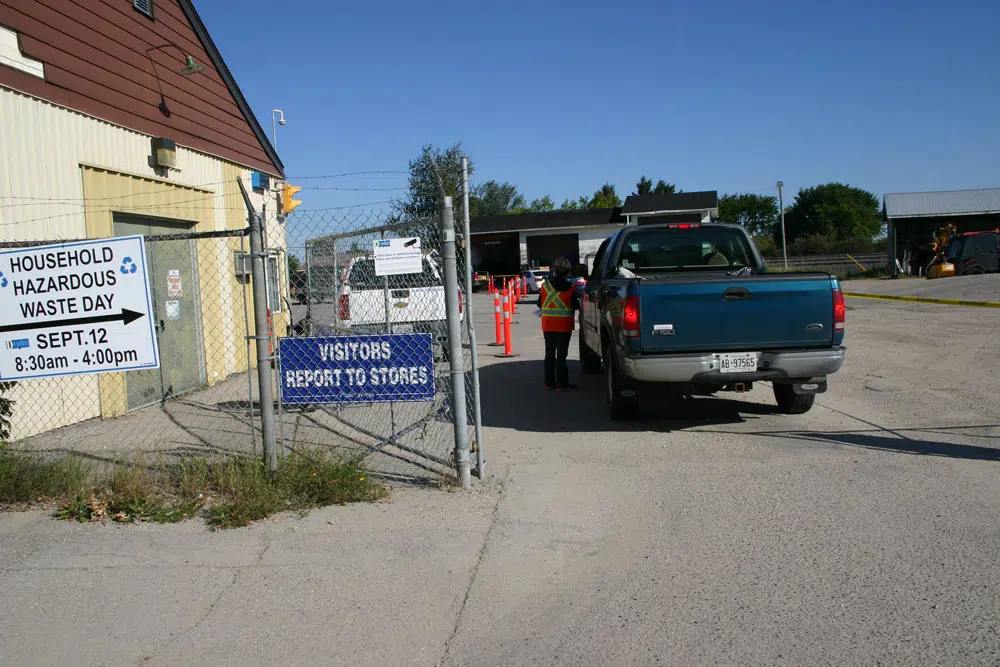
126 317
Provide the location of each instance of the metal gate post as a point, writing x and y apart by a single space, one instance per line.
265 389
455 343
476 403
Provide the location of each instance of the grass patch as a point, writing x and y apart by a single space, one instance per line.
228 492
26 478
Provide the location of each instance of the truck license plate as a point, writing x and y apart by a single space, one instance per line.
738 362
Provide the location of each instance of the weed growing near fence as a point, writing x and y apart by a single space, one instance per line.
228 492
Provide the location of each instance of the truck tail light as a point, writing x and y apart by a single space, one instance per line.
630 317
344 307
839 310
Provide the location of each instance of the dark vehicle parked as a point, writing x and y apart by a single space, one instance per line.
975 253
687 309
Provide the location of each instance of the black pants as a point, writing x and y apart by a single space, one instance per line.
556 351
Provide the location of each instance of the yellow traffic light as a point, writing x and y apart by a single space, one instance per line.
287 193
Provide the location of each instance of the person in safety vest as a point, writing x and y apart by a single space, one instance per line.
558 301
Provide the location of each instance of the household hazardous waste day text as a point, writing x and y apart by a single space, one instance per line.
75 308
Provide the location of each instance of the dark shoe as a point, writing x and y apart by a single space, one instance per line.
568 387
548 388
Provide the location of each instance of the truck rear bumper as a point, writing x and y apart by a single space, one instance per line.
702 369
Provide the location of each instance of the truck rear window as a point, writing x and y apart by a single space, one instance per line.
362 277
693 249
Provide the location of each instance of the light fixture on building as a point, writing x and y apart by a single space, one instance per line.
164 153
191 67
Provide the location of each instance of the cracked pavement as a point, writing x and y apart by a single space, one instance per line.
712 531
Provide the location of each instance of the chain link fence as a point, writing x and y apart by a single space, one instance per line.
385 327
361 356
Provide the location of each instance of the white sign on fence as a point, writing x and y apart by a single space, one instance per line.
394 257
76 308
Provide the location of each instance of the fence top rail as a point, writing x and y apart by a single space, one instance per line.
829 258
391 227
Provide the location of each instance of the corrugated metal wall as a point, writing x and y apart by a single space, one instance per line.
44 146
46 149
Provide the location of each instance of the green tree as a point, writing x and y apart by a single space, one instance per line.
645 187
758 213
543 204
833 211
574 204
606 197
662 188
493 198
421 202
293 263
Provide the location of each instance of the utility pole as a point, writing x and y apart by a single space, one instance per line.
781 208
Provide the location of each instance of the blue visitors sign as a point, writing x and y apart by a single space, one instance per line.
357 369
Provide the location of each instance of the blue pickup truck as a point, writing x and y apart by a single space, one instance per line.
688 309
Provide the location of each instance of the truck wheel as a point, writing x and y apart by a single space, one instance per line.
590 362
621 408
791 403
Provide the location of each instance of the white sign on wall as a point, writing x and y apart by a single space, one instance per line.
394 257
76 308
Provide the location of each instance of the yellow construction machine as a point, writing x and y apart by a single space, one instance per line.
940 266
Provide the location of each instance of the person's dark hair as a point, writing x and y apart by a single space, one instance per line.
561 267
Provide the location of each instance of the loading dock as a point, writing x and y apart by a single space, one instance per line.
545 249
497 254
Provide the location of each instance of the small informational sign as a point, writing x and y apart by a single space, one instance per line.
357 369
394 257
174 286
76 308
173 310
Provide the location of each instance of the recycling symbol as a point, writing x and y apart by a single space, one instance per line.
128 266
3 279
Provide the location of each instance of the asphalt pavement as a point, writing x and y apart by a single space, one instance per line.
710 531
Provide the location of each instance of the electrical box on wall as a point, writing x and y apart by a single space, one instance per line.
260 181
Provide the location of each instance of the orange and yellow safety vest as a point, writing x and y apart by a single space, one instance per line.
557 308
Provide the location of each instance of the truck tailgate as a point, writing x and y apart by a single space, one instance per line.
715 314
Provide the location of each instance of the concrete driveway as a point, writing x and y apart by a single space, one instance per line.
712 531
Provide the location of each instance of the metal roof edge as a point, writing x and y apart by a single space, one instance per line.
227 77
941 215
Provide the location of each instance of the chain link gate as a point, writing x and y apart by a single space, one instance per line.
320 281
390 335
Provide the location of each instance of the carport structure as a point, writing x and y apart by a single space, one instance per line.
912 218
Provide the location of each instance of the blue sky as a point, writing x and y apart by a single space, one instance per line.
889 95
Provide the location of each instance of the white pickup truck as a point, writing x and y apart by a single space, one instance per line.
409 303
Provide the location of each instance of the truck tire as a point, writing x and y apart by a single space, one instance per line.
791 403
621 408
590 362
